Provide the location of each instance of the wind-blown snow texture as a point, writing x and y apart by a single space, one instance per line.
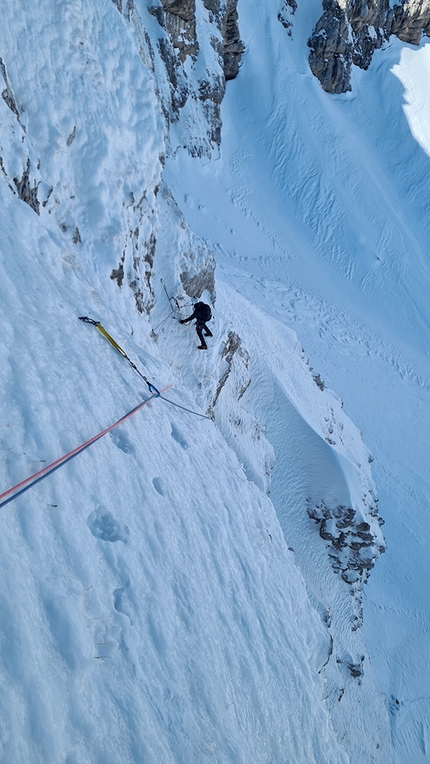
324 226
190 590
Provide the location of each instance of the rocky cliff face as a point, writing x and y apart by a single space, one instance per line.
193 49
183 51
354 546
349 31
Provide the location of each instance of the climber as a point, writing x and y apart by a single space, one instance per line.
201 313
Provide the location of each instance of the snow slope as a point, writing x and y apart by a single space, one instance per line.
151 610
189 589
317 210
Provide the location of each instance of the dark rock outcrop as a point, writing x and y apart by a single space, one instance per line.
191 68
7 94
349 31
218 55
232 346
233 46
287 11
195 285
179 21
353 548
27 190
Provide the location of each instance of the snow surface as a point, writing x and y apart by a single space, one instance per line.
165 596
318 213
151 610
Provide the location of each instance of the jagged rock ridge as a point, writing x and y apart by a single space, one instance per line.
191 65
353 547
284 16
349 31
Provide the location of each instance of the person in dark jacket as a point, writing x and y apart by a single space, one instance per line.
201 314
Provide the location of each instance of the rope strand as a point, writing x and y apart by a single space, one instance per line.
24 485
178 405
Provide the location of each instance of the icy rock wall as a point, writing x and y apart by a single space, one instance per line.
193 47
83 140
349 31
354 547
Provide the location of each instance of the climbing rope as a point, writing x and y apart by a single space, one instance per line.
24 485
152 388
164 320
32 480
117 347
172 403
176 307
29 482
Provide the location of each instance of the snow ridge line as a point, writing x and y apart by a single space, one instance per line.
24 485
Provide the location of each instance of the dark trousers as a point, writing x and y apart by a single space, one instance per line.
200 328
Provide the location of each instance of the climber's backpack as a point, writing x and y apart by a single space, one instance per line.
202 312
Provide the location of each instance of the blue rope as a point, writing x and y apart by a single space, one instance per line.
163 321
42 477
196 413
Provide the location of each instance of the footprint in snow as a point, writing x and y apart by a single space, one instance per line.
103 525
156 482
176 435
122 442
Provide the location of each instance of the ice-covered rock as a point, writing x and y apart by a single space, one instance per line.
349 32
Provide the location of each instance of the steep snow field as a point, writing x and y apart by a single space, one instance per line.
151 610
134 626
167 597
317 209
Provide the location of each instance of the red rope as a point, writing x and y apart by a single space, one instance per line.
24 484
